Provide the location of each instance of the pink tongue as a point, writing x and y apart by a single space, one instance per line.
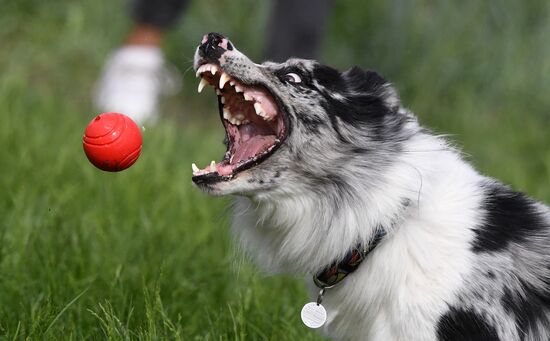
246 150
253 146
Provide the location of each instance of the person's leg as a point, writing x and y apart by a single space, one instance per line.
135 76
296 28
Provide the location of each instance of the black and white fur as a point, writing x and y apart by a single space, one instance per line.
465 258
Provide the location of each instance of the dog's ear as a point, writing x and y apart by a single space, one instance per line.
329 78
357 96
371 83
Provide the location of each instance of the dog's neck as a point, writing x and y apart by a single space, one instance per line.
339 270
304 232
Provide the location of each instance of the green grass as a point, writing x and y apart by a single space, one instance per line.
142 254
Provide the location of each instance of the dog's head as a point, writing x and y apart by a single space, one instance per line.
300 121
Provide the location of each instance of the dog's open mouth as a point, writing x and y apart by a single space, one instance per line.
254 125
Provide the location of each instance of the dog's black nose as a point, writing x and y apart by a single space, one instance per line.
213 45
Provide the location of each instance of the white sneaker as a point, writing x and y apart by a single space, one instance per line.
133 79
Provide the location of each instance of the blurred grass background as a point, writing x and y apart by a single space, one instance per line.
142 254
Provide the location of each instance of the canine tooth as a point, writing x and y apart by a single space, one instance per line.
202 84
223 79
238 88
194 168
212 166
247 97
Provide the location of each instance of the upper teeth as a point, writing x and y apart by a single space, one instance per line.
226 114
261 112
207 67
223 79
202 84
239 118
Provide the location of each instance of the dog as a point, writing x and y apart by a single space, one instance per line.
322 162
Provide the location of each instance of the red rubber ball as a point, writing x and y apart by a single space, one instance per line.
112 142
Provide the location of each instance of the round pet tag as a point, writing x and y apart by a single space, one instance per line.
314 315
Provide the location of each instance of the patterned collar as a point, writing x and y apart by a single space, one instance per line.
337 271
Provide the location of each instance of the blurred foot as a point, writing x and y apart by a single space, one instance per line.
133 80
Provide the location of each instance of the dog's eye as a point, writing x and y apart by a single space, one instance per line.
292 78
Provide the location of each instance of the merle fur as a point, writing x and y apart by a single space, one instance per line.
462 325
510 217
346 131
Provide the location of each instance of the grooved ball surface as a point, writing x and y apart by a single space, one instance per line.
112 142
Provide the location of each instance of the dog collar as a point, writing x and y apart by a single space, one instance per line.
313 314
336 272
